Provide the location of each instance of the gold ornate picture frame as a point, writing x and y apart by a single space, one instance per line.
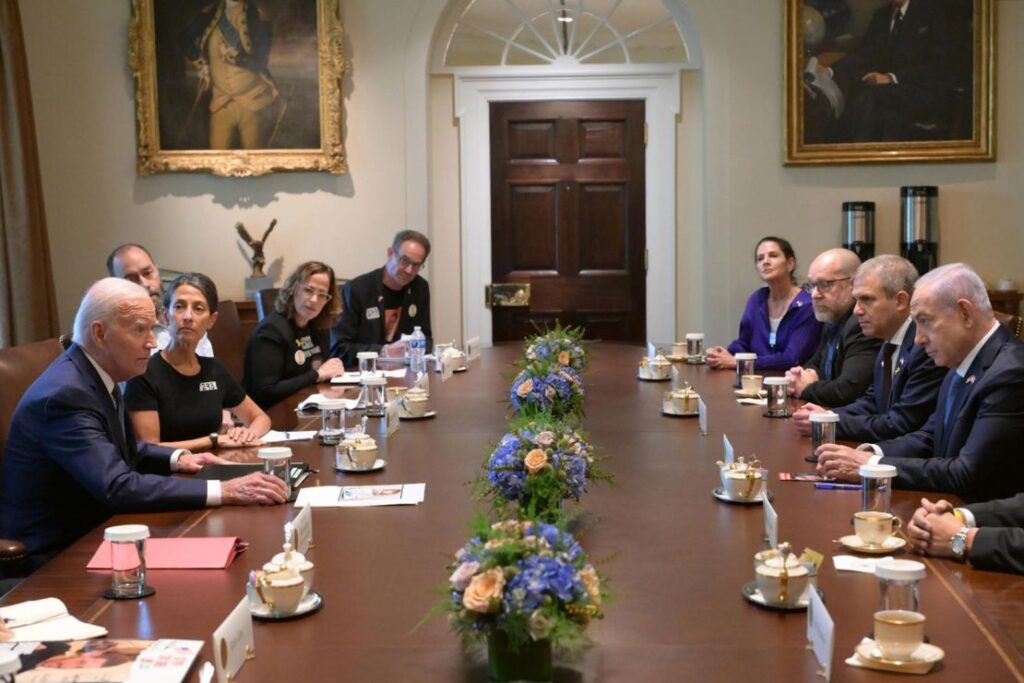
238 87
863 86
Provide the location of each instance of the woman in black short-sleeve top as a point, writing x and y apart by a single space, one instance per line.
180 399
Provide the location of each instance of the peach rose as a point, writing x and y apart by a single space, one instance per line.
525 388
563 357
593 584
483 589
535 461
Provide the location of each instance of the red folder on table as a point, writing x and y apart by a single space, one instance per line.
179 553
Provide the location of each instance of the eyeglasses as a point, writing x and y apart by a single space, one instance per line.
407 262
823 286
311 293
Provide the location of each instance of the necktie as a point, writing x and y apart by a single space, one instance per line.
119 408
830 357
888 349
897 21
956 386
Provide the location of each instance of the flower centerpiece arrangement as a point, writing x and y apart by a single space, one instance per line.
537 464
525 587
547 386
563 345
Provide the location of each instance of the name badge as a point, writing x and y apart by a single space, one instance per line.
372 313
233 644
303 527
207 386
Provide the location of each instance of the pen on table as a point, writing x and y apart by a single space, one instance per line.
837 487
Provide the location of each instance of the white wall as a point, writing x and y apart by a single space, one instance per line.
732 185
741 190
83 95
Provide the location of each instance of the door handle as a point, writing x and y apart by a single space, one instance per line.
507 294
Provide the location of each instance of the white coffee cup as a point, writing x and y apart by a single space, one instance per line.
780 590
281 591
898 633
743 485
873 527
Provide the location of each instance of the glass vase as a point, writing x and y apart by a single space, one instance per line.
530 662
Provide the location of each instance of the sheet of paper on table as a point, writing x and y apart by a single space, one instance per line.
313 401
361 496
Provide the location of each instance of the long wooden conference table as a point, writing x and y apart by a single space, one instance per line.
677 557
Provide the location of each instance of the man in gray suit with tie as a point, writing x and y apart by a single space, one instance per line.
971 445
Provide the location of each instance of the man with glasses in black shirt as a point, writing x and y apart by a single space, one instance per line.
381 306
841 370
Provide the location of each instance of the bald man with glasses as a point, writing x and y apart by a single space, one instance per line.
381 306
842 368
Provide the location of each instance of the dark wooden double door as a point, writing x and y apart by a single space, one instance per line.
567 216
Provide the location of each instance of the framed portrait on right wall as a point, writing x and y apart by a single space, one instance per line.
880 81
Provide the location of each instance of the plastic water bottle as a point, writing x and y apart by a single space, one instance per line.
417 351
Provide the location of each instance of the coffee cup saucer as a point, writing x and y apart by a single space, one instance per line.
752 594
891 544
672 413
346 466
750 394
676 357
310 603
921 660
652 379
721 495
402 415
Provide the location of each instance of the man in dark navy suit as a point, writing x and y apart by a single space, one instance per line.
906 381
971 445
72 459
900 70
988 535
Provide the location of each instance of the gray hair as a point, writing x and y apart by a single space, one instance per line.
894 273
101 303
403 236
955 281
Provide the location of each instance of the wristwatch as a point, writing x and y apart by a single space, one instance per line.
213 439
958 544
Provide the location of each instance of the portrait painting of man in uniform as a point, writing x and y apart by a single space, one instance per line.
238 87
889 80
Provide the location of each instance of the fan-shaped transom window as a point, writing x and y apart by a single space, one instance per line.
563 33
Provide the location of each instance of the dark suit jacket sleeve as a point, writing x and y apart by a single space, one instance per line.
988 462
999 542
79 444
855 374
860 421
345 333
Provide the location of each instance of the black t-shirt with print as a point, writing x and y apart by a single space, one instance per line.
190 407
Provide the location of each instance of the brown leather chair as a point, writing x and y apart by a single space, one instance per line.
265 299
228 339
1013 322
19 367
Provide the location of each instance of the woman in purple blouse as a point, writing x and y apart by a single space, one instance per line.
778 323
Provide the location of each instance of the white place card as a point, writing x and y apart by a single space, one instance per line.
730 454
303 526
702 416
676 384
771 523
391 419
821 632
447 362
472 348
423 382
233 644
652 351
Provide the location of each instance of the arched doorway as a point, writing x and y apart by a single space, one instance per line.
536 50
